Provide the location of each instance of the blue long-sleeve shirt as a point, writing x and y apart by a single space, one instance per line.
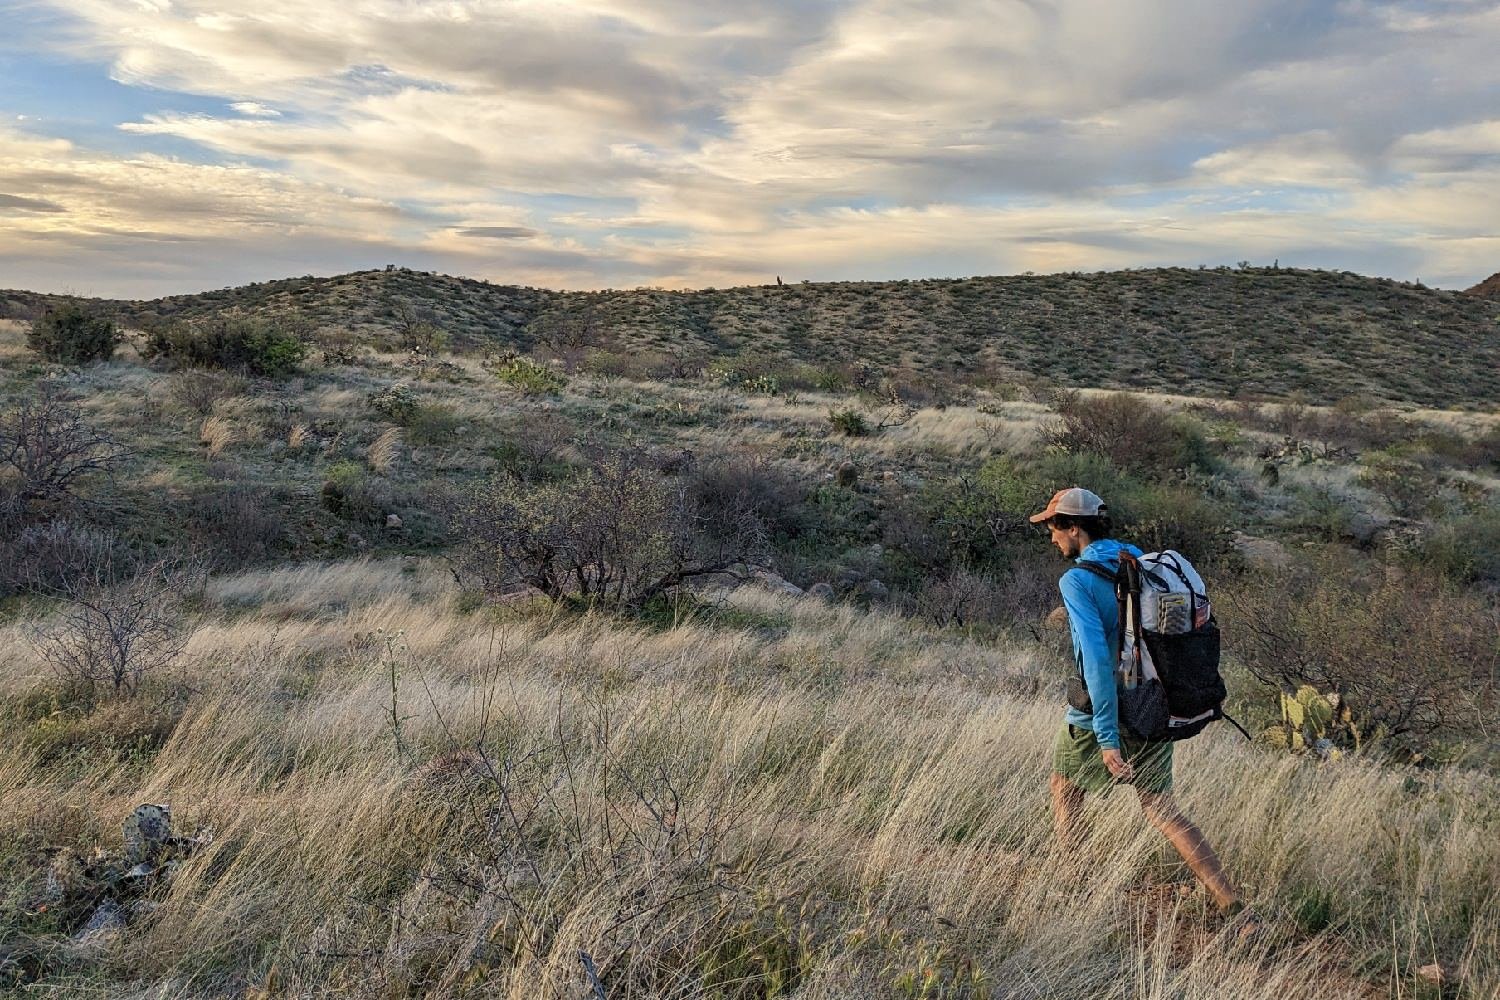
1094 620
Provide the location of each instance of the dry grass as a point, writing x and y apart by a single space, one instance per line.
216 434
384 450
839 796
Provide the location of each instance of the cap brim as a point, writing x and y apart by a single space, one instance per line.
1038 518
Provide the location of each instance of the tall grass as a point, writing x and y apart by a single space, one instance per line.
794 800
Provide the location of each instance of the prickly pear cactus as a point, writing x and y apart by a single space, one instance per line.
1315 721
146 830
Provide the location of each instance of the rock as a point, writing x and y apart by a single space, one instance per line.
1261 553
393 522
108 918
776 584
822 591
890 476
876 590
1436 973
847 475
357 540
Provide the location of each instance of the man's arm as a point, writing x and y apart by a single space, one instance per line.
1098 657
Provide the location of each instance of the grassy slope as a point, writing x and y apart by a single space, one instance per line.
841 799
1323 334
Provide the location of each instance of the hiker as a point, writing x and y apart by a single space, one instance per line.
1091 752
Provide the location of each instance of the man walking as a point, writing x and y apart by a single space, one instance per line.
1091 754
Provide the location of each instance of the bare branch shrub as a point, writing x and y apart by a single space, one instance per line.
198 391
615 535
235 523
732 484
108 633
1415 659
962 597
47 452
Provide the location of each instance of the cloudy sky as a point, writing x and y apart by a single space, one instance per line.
155 146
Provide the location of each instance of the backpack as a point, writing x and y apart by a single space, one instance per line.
1168 675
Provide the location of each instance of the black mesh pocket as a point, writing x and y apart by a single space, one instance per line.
1143 710
1078 695
1188 665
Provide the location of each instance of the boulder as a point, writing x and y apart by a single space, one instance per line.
393 522
822 591
876 590
847 475
776 584
1261 553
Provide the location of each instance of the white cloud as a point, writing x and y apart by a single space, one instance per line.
254 109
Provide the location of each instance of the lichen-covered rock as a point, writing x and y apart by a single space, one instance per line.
146 831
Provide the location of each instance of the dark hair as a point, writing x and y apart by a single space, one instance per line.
1096 527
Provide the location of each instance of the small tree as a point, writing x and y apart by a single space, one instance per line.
614 536
116 633
71 335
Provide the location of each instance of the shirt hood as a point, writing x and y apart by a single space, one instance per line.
1107 550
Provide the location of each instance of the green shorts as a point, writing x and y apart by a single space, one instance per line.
1075 756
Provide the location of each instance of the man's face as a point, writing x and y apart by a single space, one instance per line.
1069 541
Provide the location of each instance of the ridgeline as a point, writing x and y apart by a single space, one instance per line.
1268 332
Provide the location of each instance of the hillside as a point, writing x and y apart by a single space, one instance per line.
1489 288
1324 335
425 777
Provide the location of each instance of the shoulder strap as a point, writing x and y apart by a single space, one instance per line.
1099 569
1118 579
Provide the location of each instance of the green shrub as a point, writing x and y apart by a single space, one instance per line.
1131 433
396 402
1465 549
431 423
849 422
71 335
530 377
237 343
1404 478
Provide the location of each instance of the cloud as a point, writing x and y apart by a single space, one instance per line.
13 203
600 142
254 109
498 232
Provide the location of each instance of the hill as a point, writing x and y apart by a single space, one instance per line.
1489 288
1324 335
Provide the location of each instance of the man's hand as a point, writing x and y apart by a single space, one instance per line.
1118 765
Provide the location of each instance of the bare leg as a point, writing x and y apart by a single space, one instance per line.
1067 802
1161 809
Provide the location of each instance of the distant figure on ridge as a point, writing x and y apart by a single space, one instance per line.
778 280
1092 751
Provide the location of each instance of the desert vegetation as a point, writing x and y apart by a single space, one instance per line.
571 667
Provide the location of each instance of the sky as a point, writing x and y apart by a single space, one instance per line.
150 147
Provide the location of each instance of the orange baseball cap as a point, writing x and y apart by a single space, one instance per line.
1074 500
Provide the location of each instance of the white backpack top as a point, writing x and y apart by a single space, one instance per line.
1173 597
